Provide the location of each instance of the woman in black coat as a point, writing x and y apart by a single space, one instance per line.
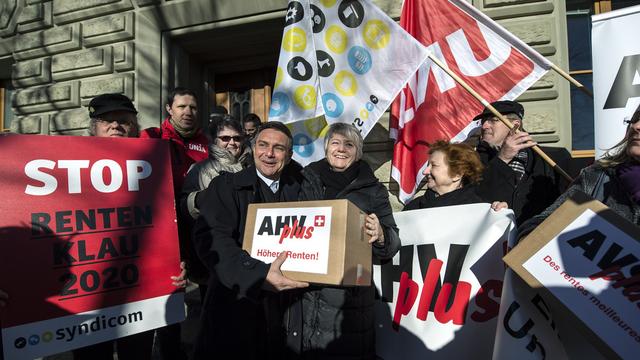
452 174
338 322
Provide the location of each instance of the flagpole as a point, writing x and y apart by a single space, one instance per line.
571 80
495 112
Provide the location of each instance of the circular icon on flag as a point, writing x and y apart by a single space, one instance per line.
332 105
336 39
364 114
374 99
299 68
346 83
303 145
326 65
305 97
328 3
317 19
295 40
376 34
279 76
351 13
279 104
369 106
359 60
295 13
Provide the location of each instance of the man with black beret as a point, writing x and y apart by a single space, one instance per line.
112 115
514 173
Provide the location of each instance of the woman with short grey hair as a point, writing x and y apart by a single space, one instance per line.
339 321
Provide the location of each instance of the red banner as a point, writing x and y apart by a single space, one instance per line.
432 106
87 223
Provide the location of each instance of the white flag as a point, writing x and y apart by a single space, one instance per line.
345 60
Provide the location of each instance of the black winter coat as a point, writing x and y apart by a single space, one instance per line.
539 187
600 183
234 323
324 322
463 196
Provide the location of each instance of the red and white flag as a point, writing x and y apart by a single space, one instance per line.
432 106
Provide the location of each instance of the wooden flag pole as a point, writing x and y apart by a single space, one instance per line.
495 112
571 80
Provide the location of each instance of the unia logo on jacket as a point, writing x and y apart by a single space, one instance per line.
197 147
288 227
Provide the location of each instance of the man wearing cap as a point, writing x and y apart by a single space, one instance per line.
514 173
112 115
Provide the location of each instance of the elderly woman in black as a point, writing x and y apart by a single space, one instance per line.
338 322
452 174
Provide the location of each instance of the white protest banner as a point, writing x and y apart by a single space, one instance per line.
441 293
616 77
346 60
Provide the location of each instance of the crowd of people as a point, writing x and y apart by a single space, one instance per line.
251 306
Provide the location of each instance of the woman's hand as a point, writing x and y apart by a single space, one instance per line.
374 229
181 280
499 205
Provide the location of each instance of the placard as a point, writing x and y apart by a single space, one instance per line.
582 255
88 241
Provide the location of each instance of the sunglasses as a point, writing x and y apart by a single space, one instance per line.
227 138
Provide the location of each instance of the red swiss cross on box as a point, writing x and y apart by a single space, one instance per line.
318 221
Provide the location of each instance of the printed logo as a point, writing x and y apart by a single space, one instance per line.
317 19
326 65
345 83
20 342
295 40
305 97
351 13
318 221
359 60
336 39
332 105
303 145
279 104
295 13
376 34
299 68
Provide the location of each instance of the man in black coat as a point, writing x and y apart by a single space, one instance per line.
236 320
514 173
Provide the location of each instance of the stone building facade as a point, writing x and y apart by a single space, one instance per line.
56 55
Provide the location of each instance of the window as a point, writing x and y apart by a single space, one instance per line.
6 114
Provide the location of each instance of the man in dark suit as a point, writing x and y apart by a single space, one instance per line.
237 319
513 172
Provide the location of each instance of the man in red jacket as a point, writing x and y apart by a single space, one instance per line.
181 128
188 146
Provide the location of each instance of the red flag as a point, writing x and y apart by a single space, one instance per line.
432 106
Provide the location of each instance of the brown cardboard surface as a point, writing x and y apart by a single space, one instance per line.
549 229
349 251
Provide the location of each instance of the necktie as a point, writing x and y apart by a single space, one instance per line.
274 186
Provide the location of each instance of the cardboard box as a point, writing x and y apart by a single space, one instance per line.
572 257
325 240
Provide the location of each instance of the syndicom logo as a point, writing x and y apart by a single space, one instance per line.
70 333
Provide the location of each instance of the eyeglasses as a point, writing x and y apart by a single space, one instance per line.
227 138
120 121
632 120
